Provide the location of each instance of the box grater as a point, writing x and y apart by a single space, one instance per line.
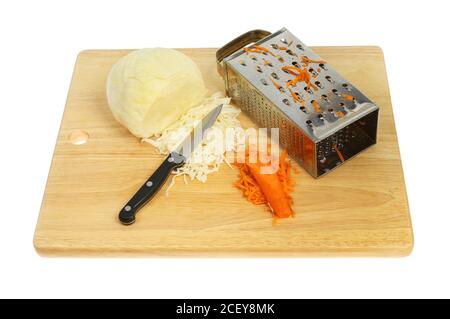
323 119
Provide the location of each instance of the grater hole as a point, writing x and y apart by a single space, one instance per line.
334 91
284 40
295 63
286 101
253 58
307 89
329 79
346 86
323 66
313 72
300 47
242 62
331 110
303 109
318 84
258 68
309 123
275 76
274 46
320 117
263 81
290 52
266 62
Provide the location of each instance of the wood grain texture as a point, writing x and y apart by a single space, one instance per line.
360 209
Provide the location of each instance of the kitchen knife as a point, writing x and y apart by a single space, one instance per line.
176 158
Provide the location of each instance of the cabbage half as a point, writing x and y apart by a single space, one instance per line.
149 89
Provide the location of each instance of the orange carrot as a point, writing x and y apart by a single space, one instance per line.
301 75
276 84
249 186
347 97
258 49
341 157
294 96
271 189
307 60
267 62
316 106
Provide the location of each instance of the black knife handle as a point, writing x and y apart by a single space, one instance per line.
127 215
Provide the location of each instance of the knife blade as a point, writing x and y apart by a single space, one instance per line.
175 159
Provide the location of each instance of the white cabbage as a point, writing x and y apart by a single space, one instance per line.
149 89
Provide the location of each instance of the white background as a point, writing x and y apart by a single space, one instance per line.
39 42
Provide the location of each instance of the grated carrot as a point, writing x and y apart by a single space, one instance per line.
300 75
340 114
316 106
307 60
258 49
266 62
271 189
347 97
294 96
341 157
276 84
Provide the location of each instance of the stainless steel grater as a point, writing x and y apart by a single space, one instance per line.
323 119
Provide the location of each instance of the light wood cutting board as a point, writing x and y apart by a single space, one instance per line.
360 209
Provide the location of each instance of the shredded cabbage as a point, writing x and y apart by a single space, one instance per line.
211 151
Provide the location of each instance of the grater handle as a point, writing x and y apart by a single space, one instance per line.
238 43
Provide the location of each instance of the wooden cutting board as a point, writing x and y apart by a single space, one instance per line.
360 209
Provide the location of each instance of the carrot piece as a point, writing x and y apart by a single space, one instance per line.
267 62
307 60
276 84
271 189
249 186
316 107
258 49
300 75
341 157
347 97
294 96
